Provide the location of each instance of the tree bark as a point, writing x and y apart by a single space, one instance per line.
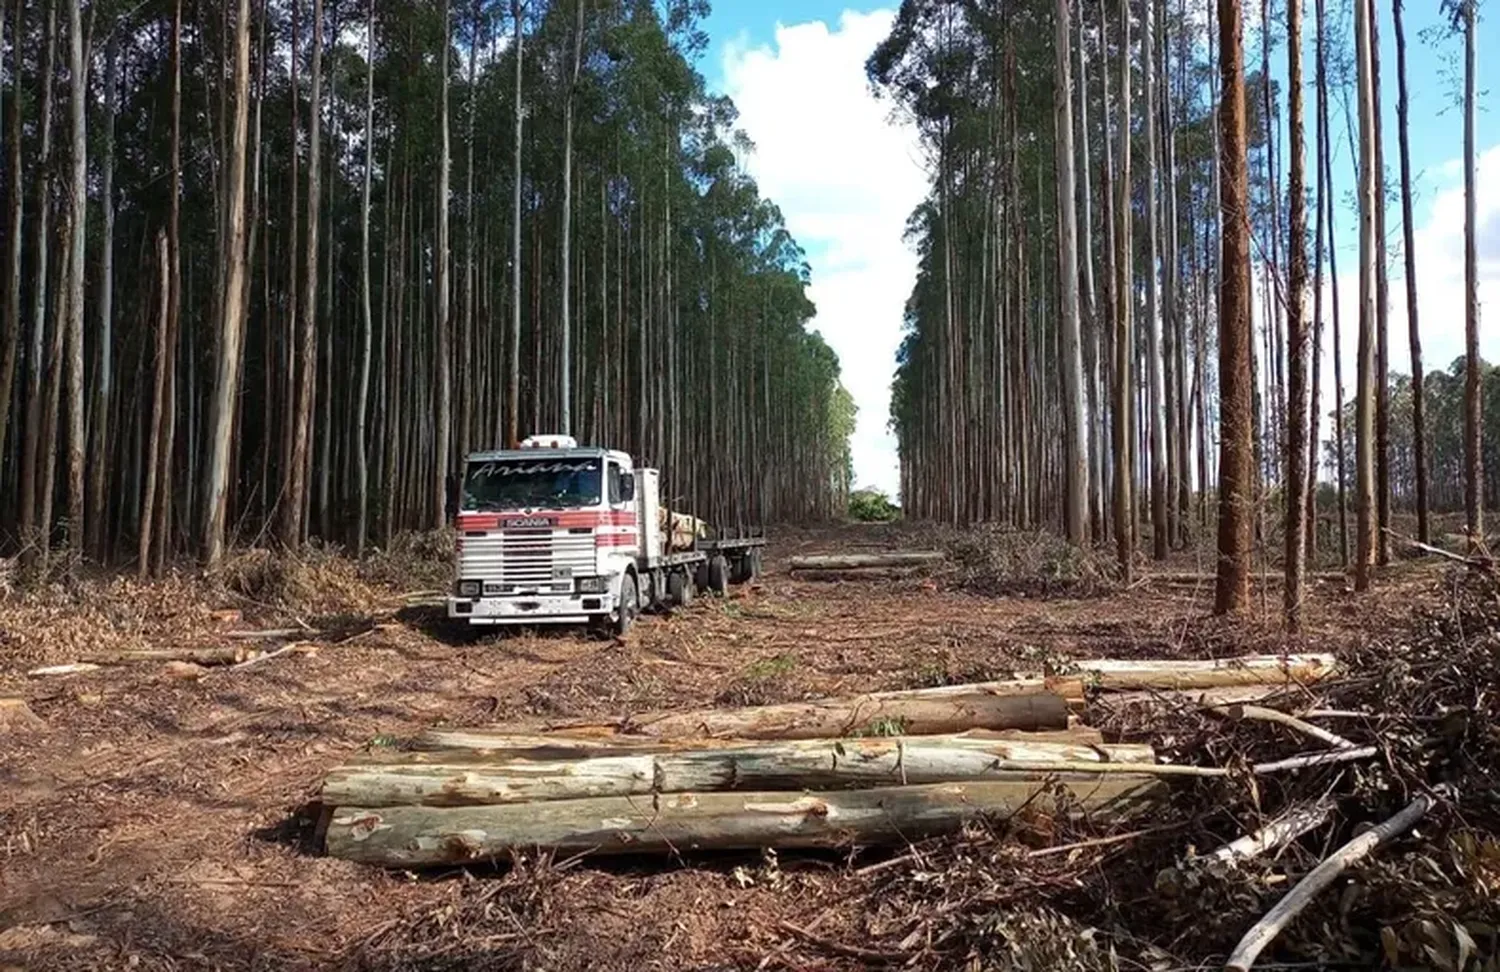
426 836
1413 330
1124 341
232 326
1077 478
1473 435
10 342
78 199
158 407
1236 466
1366 391
99 431
513 383
1297 332
443 437
1155 394
362 408
474 778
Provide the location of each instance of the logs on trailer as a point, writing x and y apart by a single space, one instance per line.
470 777
853 561
414 836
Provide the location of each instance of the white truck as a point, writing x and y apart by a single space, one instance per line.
557 533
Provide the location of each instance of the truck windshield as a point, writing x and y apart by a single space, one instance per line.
521 484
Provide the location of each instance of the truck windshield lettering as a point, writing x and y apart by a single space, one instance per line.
520 484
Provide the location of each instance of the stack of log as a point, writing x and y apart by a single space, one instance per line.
866 769
889 565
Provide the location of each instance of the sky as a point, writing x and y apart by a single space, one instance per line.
846 173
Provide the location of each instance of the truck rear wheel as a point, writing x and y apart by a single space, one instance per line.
718 575
680 588
629 607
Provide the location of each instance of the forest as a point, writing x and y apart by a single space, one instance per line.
274 267
1118 326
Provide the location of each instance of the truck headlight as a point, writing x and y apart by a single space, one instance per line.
593 585
468 588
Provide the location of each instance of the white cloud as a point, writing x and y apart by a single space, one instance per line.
1440 280
846 175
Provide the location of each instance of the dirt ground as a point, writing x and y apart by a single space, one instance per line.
161 822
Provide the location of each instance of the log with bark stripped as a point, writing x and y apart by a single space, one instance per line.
412 836
854 561
1113 674
501 742
470 777
865 715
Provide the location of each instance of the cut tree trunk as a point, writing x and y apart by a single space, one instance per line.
418 836
859 575
228 655
469 777
894 558
499 742
1116 674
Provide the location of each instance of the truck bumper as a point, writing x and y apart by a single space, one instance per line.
529 609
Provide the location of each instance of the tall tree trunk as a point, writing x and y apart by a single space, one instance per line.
1366 392
10 336
1413 331
1077 479
31 530
566 389
1155 393
1382 312
296 494
443 438
1236 466
163 539
99 432
78 198
361 448
232 327
1473 458
1089 314
1124 342
1296 423
52 389
513 379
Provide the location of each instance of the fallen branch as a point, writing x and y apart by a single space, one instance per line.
850 951
1265 931
228 655
298 647
1276 834
1483 563
269 633
1261 714
856 574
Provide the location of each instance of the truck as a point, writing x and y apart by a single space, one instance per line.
557 533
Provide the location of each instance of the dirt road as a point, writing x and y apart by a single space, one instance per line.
157 822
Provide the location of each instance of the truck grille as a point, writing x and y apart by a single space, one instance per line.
531 560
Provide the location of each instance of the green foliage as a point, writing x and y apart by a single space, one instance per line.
773 667
871 505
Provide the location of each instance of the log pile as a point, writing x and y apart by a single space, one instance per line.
868 769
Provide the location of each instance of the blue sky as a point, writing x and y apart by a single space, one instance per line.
846 175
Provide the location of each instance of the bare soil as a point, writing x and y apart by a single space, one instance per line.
159 821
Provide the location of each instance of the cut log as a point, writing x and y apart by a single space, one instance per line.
1201 698
470 777
855 561
16 717
860 575
1114 674
73 668
865 715
427 836
503 743
226 655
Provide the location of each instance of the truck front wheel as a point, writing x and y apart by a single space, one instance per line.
629 607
